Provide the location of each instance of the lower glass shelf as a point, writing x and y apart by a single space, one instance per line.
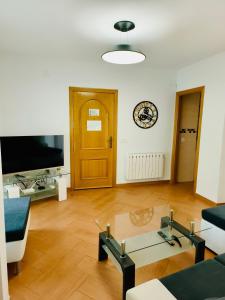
40 194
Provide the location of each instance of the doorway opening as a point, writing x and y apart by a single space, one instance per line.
187 132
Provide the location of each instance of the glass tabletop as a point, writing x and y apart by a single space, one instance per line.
16 179
145 239
132 223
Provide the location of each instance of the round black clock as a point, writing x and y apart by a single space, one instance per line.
145 114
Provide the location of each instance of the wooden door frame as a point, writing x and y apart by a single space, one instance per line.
174 159
73 144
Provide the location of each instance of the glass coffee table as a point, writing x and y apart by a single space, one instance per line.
141 237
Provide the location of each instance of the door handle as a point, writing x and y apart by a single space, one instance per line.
110 142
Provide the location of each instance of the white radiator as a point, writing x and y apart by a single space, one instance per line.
145 165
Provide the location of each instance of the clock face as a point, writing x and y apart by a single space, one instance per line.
145 114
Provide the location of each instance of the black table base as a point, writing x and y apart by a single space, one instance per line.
126 264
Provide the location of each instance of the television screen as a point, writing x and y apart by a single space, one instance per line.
26 153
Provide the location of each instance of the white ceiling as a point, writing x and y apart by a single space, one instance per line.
172 33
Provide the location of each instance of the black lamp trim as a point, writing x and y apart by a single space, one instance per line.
124 26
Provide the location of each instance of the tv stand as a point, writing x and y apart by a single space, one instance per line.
36 184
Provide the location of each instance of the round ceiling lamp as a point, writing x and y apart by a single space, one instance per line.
123 54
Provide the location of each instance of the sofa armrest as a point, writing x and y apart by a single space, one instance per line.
16 216
152 289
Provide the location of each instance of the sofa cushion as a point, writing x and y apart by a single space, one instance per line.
221 258
201 281
16 216
215 215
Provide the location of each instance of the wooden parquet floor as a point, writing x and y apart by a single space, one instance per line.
60 261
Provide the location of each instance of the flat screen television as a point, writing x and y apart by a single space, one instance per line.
26 153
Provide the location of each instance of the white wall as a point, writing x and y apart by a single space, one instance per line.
211 173
34 100
4 294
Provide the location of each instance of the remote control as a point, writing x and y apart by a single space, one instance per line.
165 238
175 238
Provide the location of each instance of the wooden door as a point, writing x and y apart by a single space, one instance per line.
93 114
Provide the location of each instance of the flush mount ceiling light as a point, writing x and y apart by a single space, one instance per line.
123 54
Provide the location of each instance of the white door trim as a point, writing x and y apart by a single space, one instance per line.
4 291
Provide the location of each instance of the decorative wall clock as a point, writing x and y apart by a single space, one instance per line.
145 114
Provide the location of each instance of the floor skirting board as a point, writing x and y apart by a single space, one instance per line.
205 199
142 183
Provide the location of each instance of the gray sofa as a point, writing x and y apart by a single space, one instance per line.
202 281
214 217
17 215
